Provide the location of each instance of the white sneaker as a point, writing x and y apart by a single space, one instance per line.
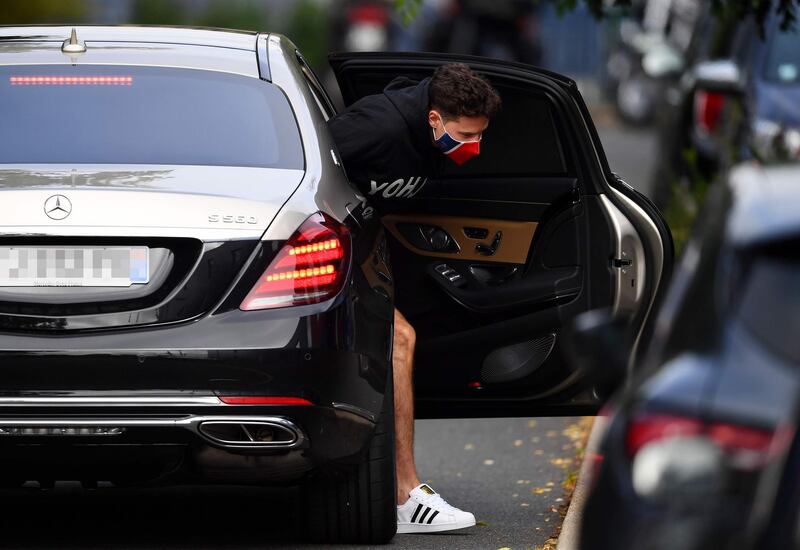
427 512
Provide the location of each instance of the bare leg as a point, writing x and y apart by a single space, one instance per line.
403 364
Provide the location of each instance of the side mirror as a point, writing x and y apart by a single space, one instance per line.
599 345
722 75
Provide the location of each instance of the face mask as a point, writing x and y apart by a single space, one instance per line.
458 151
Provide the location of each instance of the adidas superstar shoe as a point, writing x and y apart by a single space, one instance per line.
426 511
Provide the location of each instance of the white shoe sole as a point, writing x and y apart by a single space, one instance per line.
405 528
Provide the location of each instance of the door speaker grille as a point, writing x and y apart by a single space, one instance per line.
517 361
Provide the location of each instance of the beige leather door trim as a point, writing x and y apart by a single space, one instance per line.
514 246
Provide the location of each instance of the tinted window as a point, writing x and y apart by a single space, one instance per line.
143 115
770 306
783 61
521 140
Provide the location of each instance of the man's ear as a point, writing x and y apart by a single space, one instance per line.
434 119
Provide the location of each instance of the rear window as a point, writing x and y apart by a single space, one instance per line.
770 306
143 115
783 60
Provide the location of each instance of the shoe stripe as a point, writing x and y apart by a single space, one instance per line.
416 513
425 513
433 515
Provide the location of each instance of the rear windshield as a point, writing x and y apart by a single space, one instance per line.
770 306
143 115
783 60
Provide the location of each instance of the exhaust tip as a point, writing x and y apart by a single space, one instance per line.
250 433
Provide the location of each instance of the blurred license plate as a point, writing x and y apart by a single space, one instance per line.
74 266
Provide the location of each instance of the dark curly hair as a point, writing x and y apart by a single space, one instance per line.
456 91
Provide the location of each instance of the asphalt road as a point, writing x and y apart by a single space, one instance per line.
507 471
631 153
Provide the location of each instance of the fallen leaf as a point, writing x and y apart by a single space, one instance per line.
538 452
482 523
488 462
573 431
517 443
550 484
561 462
531 423
551 433
469 447
540 490
525 505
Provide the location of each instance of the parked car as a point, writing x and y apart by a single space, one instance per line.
363 26
775 521
737 102
192 292
713 406
655 45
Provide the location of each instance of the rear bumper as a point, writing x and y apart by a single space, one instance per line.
159 386
145 446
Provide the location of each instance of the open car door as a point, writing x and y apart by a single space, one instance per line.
491 261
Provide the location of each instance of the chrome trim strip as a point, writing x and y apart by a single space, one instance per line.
263 57
191 423
120 401
358 411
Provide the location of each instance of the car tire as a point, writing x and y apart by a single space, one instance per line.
356 503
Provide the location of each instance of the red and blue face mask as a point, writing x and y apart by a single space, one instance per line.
458 151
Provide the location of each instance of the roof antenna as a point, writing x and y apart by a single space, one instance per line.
72 45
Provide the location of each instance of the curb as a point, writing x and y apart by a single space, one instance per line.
570 529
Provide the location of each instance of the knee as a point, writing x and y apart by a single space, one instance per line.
403 332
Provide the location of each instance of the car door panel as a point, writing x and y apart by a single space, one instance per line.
488 342
463 238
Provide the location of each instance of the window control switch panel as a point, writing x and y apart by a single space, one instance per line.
450 275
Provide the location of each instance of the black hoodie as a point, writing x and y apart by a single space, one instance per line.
386 143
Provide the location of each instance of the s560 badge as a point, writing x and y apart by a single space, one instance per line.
220 218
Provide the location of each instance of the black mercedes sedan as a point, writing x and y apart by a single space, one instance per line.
191 291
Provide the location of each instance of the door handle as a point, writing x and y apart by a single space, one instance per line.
489 250
431 238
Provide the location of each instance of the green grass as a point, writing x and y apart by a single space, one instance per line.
686 199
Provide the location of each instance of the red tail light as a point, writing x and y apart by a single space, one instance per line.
310 268
707 110
731 438
262 400
45 80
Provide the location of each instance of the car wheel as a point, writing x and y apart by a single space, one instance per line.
356 503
